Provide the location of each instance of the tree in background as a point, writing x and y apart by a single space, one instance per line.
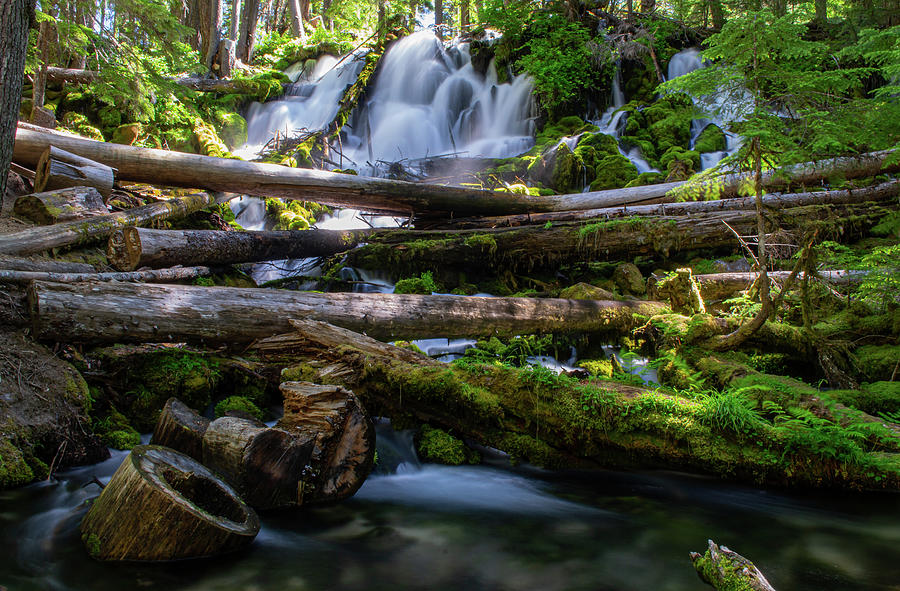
15 18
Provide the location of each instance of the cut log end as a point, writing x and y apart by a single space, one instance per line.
124 249
163 505
180 428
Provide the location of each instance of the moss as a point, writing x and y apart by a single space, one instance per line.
299 373
483 242
91 544
14 469
646 178
876 398
423 284
238 403
126 134
612 172
81 125
600 368
438 446
122 439
878 362
585 291
208 140
711 139
679 163
727 576
232 129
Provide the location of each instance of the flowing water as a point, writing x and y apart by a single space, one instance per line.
415 526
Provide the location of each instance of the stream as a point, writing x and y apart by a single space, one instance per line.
491 526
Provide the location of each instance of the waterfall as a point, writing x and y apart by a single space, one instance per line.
684 62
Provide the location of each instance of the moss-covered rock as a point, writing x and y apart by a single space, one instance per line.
232 129
438 446
240 404
711 139
127 134
629 279
647 178
586 291
660 126
879 362
876 398
423 284
14 470
679 163
80 124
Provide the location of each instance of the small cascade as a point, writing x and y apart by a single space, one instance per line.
684 62
311 103
428 102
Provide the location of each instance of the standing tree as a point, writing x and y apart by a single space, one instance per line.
249 19
15 18
771 85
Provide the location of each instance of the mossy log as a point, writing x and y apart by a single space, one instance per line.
132 248
371 194
560 422
120 312
221 85
58 169
533 247
11 263
60 205
718 286
72 75
150 276
726 570
163 505
180 428
79 232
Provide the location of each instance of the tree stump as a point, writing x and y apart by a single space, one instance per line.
180 428
163 505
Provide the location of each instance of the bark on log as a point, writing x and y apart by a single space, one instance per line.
534 247
378 195
223 85
119 312
149 276
58 169
880 192
180 428
717 286
100 227
727 570
132 248
61 205
164 505
73 75
43 265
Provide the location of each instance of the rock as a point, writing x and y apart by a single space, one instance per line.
232 130
127 134
711 139
629 279
586 291
45 405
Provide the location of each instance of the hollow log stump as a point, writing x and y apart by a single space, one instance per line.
163 505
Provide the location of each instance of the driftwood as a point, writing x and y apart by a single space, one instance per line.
119 312
100 227
148 276
164 505
727 570
58 169
132 248
61 205
378 195
43 265
535 247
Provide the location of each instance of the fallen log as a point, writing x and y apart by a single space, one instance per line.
372 194
43 265
132 248
726 570
73 75
717 286
164 505
557 422
880 192
120 312
222 85
148 276
61 205
409 252
100 227
58 169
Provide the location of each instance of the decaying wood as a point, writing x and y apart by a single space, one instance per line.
60 205
716 286
73 75
148 276
534 247
43 265
378 195
133 312
164 505
180 428
100 227
132 248
221 85
58 169
727 570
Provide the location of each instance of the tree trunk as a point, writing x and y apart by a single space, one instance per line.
72 75
648 6
39 86
111 312
234 29
164 505
180 428
439 18
247 39
211 32
726 570
15 17
100 227
535 247
157 275
718 14
43 265
296 19
133 248
821 10
58 169
463 16
63 205
384 195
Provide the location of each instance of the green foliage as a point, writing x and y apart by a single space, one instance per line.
436 445
423 284
122 439
238 403
731 411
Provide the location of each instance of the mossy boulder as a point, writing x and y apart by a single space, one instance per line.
660 126
876 398
127 134
586 291
647 178
679 163
423 284
232 129
14 470
711 139
81 125
879 362
239 404
629 279
440 447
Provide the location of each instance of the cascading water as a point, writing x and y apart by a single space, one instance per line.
428 101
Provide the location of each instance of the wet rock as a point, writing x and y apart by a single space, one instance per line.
586 291
629 279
